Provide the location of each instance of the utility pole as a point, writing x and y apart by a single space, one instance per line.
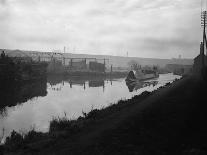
203 24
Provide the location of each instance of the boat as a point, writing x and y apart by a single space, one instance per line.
139 74
135 85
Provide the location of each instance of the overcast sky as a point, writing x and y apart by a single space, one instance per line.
144 28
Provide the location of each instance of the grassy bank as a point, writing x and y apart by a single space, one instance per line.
170 120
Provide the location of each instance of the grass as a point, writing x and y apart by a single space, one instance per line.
20 141
64 124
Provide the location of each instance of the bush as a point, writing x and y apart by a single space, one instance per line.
93 114
61 124
14 142
32 136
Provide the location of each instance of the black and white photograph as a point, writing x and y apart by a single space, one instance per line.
103 77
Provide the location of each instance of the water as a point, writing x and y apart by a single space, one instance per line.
34 105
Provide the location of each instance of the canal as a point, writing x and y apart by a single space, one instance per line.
33 105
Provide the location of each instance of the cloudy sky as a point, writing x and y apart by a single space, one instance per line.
144 28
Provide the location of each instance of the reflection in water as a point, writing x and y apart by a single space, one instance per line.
77 81
12 94
134 86
71 95
97 84
54 80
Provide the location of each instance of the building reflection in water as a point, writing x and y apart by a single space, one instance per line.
78 82
57 82
12 94
97 83
134 86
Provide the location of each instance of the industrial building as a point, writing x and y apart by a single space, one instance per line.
65 64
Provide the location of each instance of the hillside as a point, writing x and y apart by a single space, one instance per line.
116 61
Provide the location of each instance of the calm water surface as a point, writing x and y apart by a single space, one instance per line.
36 104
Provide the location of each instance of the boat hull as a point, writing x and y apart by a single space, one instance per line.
133 76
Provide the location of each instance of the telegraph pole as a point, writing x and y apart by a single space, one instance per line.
204 43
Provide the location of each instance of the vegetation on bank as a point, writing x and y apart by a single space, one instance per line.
62 127
20 69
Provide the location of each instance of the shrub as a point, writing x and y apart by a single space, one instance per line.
14 142
61 124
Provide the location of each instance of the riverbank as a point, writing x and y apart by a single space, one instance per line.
169 120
